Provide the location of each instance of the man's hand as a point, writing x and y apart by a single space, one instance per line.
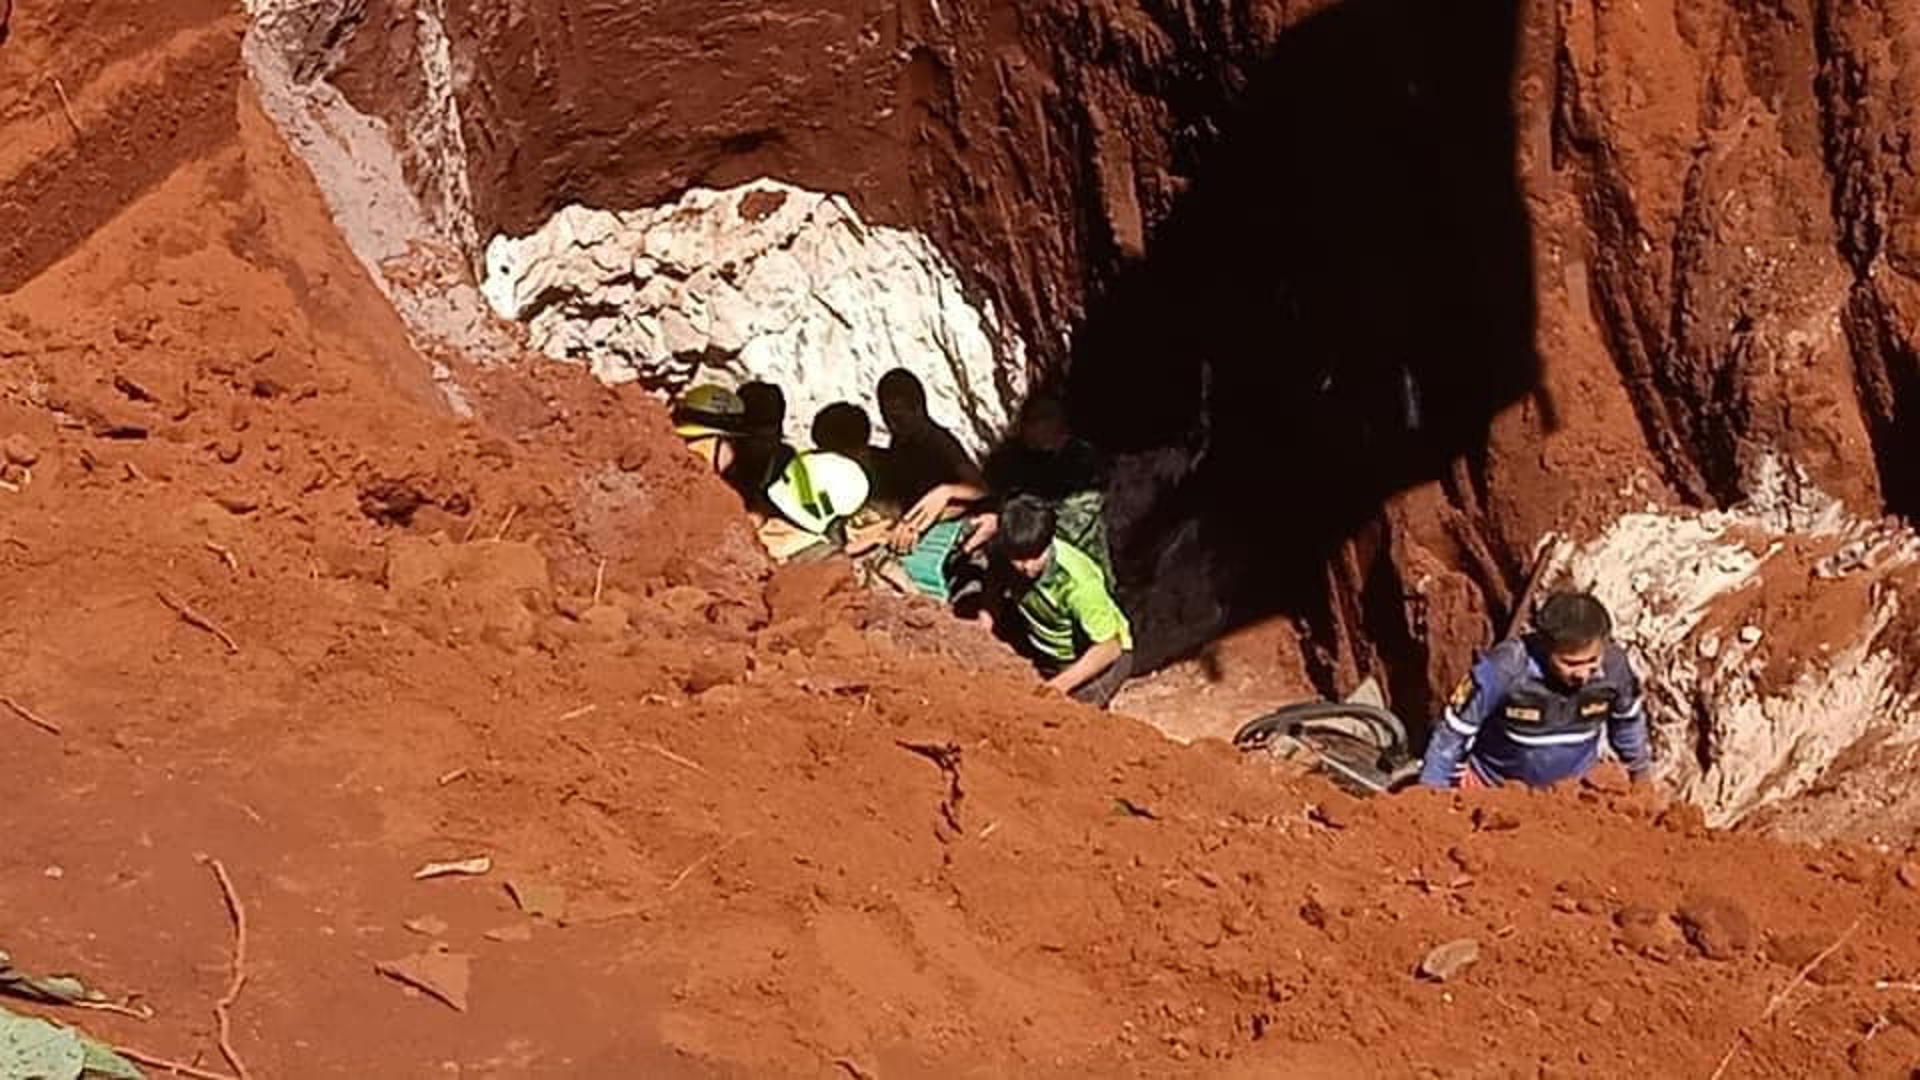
865 539
984 528
922 515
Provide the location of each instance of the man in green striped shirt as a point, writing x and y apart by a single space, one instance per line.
1076 633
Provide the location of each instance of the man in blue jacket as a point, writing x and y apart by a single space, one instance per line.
1534 710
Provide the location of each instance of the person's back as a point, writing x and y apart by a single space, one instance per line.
1535 711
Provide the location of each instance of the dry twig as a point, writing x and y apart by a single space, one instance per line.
197 620
66 103
143 1058
676 758
222 1008
698 863
30 716
1727 1058
226 555
1744 1036
507 524
138 1012
1806 969
599 580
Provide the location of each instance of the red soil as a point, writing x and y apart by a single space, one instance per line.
791 843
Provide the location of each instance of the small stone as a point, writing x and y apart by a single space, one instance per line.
1443 962
1909 875
1468 861
1608 778
514 932
1717 926
1331 814
445 975
426 926
237 504
1683 819
1600 1012
1488 819
1750 635
227 450
1313 914
538 900
20 451
55 872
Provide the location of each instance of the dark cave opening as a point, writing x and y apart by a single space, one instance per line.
1335 311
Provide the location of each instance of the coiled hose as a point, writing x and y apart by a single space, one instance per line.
1311 722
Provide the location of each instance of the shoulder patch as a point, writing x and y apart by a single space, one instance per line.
1463 693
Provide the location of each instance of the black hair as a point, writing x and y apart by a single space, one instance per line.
904 389
1568 620
1026 527
766 406
842 427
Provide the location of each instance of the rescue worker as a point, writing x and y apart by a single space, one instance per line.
1076 634
1046 459
1534 710
921 455
762 450
710 419
815 493
800 512
844 428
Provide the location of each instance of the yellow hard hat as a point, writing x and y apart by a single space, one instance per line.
817 488
708 410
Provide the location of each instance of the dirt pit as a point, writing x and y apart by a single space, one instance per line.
733 822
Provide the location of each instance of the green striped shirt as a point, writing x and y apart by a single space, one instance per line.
1070 608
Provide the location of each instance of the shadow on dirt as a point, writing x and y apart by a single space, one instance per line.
1337 309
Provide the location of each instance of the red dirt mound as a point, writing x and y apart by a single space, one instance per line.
734 827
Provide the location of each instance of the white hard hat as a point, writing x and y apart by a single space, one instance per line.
817 488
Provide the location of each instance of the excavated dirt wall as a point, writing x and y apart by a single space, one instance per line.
1267 232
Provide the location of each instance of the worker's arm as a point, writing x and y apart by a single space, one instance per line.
865 538
1472 701
1100 621
985 527
936 504
1092 664
1627 725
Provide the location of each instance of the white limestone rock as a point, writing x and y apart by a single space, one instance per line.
762 281
1743 720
